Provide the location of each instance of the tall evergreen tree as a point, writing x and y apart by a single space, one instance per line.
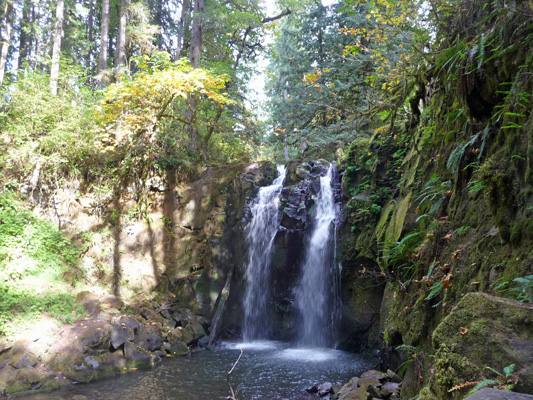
25 30
120 58
56 49
7 16
194 57
104 41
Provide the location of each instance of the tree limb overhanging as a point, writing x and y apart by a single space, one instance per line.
271 19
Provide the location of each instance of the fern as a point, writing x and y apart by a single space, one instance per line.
481 385
457 155
434 291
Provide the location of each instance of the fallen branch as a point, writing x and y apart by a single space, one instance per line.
232 397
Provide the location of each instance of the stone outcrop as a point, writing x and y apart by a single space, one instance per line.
483 331
371 385
107 343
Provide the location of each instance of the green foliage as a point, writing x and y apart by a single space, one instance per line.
434 290
398 255
524 289
58 130
35 261
317 93
462 230
457 155
433 196
504 381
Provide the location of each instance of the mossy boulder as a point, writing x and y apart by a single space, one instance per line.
483 331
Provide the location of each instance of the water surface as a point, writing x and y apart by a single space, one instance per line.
267 370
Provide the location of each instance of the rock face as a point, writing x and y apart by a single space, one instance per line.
204 243
105 344
483 331
297 207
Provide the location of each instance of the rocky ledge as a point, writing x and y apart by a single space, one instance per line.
371 385
114 339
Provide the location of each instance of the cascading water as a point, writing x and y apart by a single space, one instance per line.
317 294
260 234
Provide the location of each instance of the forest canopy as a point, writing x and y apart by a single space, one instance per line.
78 76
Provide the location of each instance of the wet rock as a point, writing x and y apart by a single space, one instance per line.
354 393
390 388
8 375
324 389
192 332
148 337
312 389
179 349
120 335
372 380
393 377
23 360
140 358
204 341
95 336
371 385
336 388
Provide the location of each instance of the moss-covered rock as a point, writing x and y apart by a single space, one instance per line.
483 331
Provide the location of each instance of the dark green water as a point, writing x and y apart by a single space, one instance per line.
267 370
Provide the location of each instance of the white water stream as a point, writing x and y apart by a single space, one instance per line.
260 234
317 293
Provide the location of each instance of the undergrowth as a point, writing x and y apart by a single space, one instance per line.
38 268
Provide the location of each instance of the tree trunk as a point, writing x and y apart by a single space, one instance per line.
286 146
90 29
192 102
33 42
184 18
196 39
25 27
120 58
56 50
158 17
104 41
8 13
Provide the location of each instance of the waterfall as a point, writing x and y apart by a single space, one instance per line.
260 234
317 294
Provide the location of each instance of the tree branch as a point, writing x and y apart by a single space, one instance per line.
270 19
176 118
232 397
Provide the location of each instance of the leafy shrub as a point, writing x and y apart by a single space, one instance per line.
37 266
